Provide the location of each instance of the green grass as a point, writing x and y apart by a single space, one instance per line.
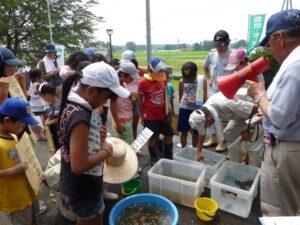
173 58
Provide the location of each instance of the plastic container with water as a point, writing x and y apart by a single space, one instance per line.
180 182
234 187
212 161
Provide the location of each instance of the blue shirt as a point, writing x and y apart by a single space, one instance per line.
284 108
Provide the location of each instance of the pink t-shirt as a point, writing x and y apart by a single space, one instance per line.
124 109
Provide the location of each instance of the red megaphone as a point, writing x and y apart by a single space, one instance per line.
230 84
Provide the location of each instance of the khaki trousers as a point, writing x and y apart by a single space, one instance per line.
280 183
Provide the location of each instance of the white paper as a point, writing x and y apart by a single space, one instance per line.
284 220
143 137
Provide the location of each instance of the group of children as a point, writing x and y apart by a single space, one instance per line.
135 93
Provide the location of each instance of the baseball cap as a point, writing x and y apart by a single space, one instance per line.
235 58
102 75
128 55
50 48
89 51
221 37
197 121
189 72
19 109
8 57
157 65
129 68
281 20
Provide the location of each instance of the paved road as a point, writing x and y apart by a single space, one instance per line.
187 215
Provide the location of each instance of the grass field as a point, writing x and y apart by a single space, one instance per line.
174 59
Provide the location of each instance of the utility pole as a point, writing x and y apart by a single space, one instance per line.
287 4
49 20
148 31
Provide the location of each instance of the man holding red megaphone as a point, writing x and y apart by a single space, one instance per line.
280 105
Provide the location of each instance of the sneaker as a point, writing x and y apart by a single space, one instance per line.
42 208
109 196
179 145
212 141
221 147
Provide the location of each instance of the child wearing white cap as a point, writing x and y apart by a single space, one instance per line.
82 152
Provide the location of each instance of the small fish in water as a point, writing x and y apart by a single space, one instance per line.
244 185
144 214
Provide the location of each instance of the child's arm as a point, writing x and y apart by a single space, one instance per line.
180 89
49 122
114 114
141 101
80 160
204 90
4 86
15 170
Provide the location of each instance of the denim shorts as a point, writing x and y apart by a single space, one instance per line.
85 209
135 108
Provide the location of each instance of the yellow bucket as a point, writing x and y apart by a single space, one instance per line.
206 208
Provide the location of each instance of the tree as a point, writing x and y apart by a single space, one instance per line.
24 24
131 46
196 47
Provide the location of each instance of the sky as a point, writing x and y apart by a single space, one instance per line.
179 21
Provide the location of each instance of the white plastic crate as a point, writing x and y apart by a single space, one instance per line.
212 161
178 181
234 187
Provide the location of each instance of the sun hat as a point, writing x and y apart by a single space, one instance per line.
102 75
19 109
197 121
221 37
8 57
235 58
89 51
189 72
129 68
122 165
50 48
128 55
157 65
281 20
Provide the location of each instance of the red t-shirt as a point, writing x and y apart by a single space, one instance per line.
154 98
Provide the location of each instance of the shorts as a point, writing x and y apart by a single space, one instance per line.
26 216
183 121
85 209
127 134
135 108
160 126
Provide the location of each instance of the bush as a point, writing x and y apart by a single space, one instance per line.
269 74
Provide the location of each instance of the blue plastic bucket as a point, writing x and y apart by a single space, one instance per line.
144 199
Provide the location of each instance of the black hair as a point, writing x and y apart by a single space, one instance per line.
73 81
48 89
75 58
189 69
135 62
120 72
82 65
98 57
13 119
115 61
206 112
34 74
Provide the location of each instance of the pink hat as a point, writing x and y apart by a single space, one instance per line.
236 57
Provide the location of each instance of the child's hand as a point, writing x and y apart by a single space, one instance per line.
200 156
107 147
20 168
21 79
47 122
4 84
120 128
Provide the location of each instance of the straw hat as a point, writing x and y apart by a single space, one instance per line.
122 165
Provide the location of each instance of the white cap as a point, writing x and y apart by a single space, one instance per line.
127 55
197 121
129 68
102 75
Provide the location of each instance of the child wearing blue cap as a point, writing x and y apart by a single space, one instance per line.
18 204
